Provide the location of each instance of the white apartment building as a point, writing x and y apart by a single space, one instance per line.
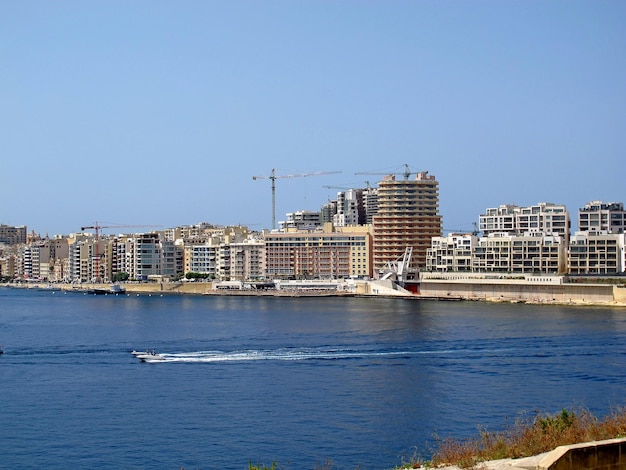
145 256
350 208
597 252
598 216
451 253
202 259
532 252
546 218
301 220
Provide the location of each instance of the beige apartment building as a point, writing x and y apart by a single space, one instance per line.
597 253
328 253
247 260
408 216
11 235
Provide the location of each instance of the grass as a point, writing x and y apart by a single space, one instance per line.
527 437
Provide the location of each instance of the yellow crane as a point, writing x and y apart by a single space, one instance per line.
273 177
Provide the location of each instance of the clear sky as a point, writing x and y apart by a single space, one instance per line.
160 112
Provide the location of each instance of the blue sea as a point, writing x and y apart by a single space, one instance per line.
308 382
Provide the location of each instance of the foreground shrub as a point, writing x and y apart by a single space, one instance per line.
530 436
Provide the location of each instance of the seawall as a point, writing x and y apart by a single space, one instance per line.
528 289
541 290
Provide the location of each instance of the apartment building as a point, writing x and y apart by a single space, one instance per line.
7 265
597 252
350 208
89 259
544 218
11 235
329 253
408 216
370 201
451 253
202 259
598 216
247 260
327 212
301 220
531 253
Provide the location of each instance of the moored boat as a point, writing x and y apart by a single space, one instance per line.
113 289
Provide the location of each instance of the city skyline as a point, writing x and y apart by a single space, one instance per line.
160 113
112 228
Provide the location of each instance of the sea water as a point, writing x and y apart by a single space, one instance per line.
353 382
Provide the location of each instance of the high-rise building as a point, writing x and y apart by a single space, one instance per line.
408 216
370 202
350 208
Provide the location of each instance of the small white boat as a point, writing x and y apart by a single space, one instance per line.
117 289
148 356
152 358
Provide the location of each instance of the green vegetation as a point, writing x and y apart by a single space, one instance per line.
527 437
120 277
192 275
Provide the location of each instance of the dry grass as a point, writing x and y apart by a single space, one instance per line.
530 436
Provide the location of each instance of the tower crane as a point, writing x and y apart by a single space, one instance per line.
337 187
406 173
273 177
97 227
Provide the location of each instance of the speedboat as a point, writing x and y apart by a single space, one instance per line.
148 356
152 358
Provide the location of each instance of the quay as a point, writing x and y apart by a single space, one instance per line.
541 289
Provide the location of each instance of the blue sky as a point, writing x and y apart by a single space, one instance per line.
160 112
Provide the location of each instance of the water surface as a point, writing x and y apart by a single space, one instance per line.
360 382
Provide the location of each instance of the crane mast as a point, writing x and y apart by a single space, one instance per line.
273 177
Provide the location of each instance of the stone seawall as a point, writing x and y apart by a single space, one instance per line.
441 289
521 291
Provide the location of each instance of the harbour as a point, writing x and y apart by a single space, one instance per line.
363 382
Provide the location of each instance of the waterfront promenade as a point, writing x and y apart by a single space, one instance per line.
540 290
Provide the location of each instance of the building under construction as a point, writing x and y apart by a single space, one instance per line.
408 217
